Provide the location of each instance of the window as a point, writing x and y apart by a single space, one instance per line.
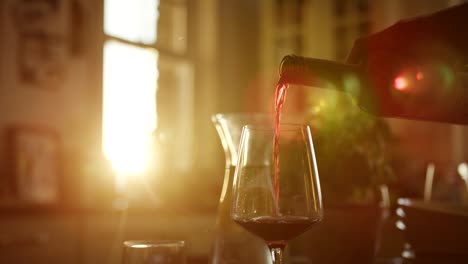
145 58
289 17
352 20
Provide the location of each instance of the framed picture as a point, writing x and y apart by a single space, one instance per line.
42 28
35 164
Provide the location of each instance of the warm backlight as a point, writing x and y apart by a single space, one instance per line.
132 20
129 106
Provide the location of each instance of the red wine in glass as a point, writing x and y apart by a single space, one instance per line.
274 200
277 230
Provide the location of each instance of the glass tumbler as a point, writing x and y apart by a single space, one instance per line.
154 252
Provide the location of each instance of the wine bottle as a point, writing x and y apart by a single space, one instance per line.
426 91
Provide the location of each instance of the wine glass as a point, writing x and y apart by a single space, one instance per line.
276 199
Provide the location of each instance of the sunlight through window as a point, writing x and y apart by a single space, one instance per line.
129 109
129 83
134 20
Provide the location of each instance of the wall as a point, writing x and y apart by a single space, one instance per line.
238 55
72 107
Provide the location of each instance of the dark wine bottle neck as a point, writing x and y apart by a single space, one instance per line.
429 98
318 73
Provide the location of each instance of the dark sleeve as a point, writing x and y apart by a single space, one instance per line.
442 33
451 27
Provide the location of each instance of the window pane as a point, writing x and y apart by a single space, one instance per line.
175 108
172 27
132 20
129 107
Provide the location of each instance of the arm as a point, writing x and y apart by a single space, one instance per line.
441 35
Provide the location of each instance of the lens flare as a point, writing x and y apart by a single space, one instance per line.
400 83
351 84
419 76
447 76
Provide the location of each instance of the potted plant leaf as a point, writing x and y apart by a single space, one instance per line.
354 162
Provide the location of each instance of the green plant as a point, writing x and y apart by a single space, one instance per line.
353 153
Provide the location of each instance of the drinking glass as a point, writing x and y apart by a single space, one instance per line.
276 199
154 252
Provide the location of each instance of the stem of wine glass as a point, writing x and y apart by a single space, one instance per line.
276 254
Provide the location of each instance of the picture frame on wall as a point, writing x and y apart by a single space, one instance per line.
43 41
35 155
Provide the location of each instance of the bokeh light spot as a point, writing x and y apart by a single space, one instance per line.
419 76
400 83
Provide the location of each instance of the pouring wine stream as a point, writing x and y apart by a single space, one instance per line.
301 204
280 97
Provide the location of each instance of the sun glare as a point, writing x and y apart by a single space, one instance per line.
134 20
129 106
